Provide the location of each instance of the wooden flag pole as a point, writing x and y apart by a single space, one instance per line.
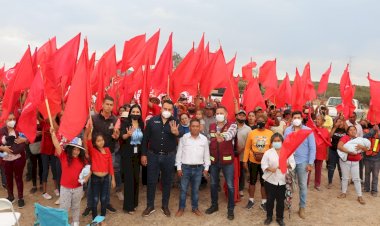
46 101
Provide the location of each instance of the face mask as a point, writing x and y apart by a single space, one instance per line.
11 123
260 125
135 117
297 122
219 118
277 145
166 114
240 120
279 119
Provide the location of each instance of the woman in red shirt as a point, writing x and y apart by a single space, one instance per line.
72 159
351 166
101 168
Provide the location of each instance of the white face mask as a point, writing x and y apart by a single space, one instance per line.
219 118
297 122
166 114
277 145
11 123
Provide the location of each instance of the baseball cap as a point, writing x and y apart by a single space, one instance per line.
258 108
209 106
241 112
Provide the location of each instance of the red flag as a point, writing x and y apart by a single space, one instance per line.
145 92
290 145
284 93
215 74
109 65
78 103
246 71
163 69
148 55
253 90
27 123
132 48
231 91
268 78
297 93
200 58
320 139
131 84
347 92
309 91
21 80
374 105
46 51
323 83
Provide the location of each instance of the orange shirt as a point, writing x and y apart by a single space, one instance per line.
257 141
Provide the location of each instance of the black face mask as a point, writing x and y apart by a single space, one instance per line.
260 125
135 117
240 120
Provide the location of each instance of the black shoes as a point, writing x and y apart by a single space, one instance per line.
148 211
212 210
230 215
280 222
268 221
21 203
166 211
86 212
111 209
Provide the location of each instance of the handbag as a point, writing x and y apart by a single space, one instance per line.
35 148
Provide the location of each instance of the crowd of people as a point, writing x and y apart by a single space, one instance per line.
189 144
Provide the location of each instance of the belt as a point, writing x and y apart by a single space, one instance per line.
192 166
160 152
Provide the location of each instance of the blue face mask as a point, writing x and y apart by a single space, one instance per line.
277 145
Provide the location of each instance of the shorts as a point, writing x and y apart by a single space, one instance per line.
254 171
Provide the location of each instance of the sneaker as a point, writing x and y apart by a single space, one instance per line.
166 211
111 209
86 212
374 194
263 206
4 186
230 215
268 221
342 196
329 186
11 199
318 188
57 202
33 190
148 211
250 204
56 192
46 196
120 196
361 200
21 203
212 209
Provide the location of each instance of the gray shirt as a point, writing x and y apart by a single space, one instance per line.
242 134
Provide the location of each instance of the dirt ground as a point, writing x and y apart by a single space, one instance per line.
323 208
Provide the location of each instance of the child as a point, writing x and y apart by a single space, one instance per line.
199 114
72 161
101 168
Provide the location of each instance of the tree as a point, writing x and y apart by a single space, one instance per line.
176 59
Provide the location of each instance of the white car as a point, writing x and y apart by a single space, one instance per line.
332 102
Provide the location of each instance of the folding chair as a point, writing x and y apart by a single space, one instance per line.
8 218
46 216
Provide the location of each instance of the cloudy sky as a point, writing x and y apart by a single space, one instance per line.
293 31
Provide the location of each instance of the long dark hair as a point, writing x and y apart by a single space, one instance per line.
129 119
95 137
69 150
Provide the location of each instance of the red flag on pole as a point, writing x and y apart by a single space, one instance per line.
148 54
253 90
231 92
290 145
323 83
309 91
132 48
297 93
374 105
347 92
284 93
268 78
78 103
246 71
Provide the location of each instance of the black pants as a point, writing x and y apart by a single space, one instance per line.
333 163
131 169
36 162
144 175
275 192
242 177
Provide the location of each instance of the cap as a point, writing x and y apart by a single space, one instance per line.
124 114
258 108
76 142
209 106
287 112
241 112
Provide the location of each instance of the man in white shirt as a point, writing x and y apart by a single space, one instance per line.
192 160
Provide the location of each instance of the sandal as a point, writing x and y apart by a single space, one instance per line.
342 196
361 200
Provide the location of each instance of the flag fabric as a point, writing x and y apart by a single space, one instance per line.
132 48
163 70
231 92
284 93
21 80
290 145
309 91
323 83
320 139
145 92
347 92
131 84
268 78
78 103
148 54
253 90
200 63
374 104
246 71
297 93
27 123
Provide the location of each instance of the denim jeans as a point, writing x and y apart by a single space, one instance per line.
371 167
46 161
302 175
156 164
100 188
333 163
191 175
116 161
228 173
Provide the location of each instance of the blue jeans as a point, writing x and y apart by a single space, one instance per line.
116 160
156 164
46 161
302 175
100 188
228 173
90 194
191 175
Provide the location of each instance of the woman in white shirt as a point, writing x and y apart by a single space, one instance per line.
274 179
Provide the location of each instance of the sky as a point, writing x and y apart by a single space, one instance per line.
292 31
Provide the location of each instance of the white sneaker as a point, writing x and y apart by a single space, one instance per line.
75 224
56 192
120 196
46 196
57 202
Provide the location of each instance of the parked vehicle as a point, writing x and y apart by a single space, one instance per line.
332 102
